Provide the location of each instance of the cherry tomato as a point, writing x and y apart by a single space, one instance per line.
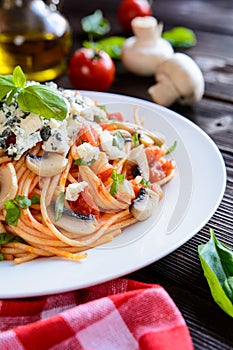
89 69
129 9
88 134
84 204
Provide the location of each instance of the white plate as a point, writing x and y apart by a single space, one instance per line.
190 200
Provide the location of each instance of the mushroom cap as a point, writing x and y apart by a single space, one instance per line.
50 164
184 75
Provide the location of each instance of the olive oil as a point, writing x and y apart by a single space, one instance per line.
42 58
34 37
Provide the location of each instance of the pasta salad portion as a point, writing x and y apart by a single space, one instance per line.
72 174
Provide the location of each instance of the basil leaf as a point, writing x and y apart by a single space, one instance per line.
35 199
1 257
7 237
135 140
11 95
23 202
180 37
118 140
44 101
80 161
117 178
19 77
6 85
226 256
12 212
95 24
145 183
112 45
215 265
59 206
171 149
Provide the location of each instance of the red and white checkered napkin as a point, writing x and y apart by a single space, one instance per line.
117 315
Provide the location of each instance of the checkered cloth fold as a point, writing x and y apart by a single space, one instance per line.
118 315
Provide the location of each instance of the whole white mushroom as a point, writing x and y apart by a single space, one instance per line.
143 52
178 79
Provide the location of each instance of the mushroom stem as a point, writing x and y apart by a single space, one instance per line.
164 93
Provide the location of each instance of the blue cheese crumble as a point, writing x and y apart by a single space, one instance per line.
21 130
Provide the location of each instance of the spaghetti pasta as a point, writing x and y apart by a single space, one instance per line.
80 181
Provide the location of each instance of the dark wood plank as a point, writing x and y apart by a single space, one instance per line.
180 272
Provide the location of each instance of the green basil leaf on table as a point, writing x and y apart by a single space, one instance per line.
111 45
217 263
95 24
180 37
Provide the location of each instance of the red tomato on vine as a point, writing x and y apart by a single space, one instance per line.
89 69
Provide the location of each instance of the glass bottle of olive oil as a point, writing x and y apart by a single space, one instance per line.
34 36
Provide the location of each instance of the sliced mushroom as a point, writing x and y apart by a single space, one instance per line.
8 183
157 137
138 156
50 164
73 224
143 205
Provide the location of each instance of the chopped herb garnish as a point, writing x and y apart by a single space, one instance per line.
171 149
35 199
13 207
59 206
118 140
145 183
12 212
135 139
117 178
6 237
23 202
80 161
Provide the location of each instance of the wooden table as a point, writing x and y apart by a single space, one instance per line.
180 272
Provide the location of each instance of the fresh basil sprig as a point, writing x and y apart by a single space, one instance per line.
117 178
217 263
39 99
